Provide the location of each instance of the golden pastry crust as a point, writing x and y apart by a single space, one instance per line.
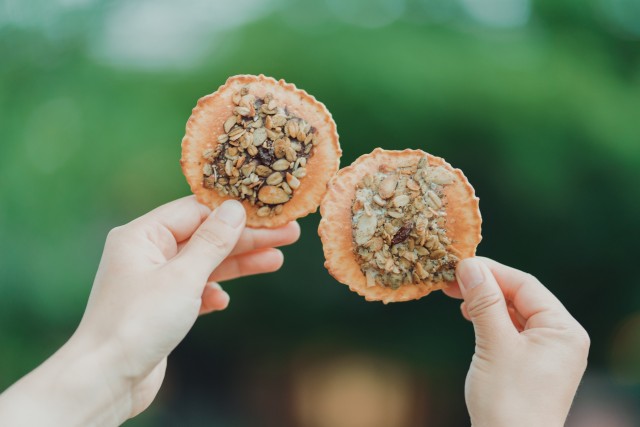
335 230
206 124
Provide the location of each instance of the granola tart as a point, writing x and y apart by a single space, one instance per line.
395 224
263 142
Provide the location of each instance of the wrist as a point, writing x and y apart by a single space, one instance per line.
74 387
509 415
91 367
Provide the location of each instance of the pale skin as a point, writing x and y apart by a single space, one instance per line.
157 274
160 272
530 352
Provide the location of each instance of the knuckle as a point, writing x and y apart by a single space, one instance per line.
530 278
482 304
582 339
575 337
116 233
213 239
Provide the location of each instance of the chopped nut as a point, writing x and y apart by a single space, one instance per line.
407 243
209 155
229 123
401 201
366 227
263 171
274 179
379 200
252 151
300 172
371 279
437 254
271 195
412 185
286 188
388 186
259 136
291 128
236 133
435 200
281 165
264 211
280 146
293 182
290 154
278 120
243 111
262 144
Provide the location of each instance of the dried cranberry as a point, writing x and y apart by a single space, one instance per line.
402 234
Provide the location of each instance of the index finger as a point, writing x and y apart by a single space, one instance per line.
259 238
181 217
532 300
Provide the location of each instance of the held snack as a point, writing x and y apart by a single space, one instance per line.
263 142
395 224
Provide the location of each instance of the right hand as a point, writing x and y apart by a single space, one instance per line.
530 353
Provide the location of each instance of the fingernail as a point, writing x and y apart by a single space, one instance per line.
470 273
230 212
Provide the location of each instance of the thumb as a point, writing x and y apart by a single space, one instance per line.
484 300
212 242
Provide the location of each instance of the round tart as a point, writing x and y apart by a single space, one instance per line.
395 224
263 142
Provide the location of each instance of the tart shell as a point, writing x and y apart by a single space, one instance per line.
206 124
335 230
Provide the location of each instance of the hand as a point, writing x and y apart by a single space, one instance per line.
530 353
156 275
160 271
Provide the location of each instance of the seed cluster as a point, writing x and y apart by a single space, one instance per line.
262 154
399 226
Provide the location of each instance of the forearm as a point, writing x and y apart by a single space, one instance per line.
72 388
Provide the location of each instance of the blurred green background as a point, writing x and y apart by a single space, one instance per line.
537 101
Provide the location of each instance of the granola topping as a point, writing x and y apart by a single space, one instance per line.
261 155
399 226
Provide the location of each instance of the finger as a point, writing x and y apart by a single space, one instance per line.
256 262
484 301
532 300
181 217
515 318
519 320
214 298
463 310
453 290
161 228
211 243
259 238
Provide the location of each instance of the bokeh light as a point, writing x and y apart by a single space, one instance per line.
625 351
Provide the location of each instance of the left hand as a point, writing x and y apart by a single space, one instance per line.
160 271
